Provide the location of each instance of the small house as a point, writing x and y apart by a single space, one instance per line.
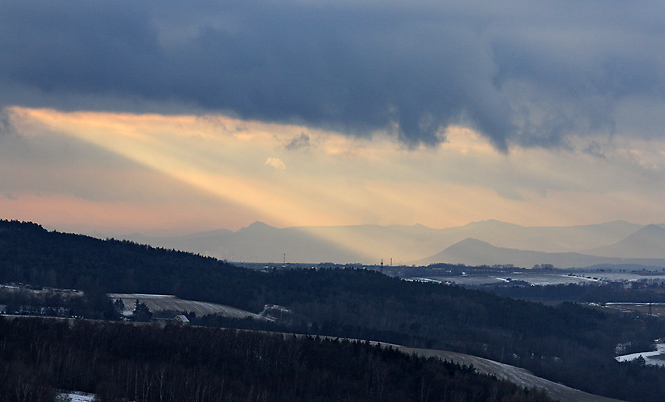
181 319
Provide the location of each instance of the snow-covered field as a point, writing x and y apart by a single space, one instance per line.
533 279
538 278
170 302
653 358
75 397
516 375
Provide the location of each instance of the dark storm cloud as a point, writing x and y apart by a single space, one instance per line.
530 74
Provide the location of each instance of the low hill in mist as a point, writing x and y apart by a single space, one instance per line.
475 252
648 242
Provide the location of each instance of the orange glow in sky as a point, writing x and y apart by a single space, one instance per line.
166 174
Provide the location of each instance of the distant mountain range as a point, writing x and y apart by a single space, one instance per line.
644 247
488 242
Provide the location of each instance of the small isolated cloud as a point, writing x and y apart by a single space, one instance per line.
6 126
594 149
276 163
299 142
509 193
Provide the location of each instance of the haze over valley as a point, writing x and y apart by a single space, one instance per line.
479 243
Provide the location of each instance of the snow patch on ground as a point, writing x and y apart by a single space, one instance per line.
653 358
156 302
75 397
516 375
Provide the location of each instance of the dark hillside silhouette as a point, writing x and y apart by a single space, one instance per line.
566 343
147 363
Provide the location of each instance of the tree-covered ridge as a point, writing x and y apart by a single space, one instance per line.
350 297
148 363
581 293
31 254
566 343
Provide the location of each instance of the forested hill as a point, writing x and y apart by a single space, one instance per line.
147 363
31 254
570 344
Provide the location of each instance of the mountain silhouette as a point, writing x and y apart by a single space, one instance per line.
476 252
648 242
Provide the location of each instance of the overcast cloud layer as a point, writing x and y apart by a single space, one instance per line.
524 73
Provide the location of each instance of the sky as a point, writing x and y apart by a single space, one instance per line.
169 118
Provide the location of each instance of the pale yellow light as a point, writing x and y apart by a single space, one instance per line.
343 180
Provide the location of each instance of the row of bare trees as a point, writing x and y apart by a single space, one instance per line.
150 363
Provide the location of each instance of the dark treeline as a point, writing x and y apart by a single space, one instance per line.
566 343
93 303
579 293
175 363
